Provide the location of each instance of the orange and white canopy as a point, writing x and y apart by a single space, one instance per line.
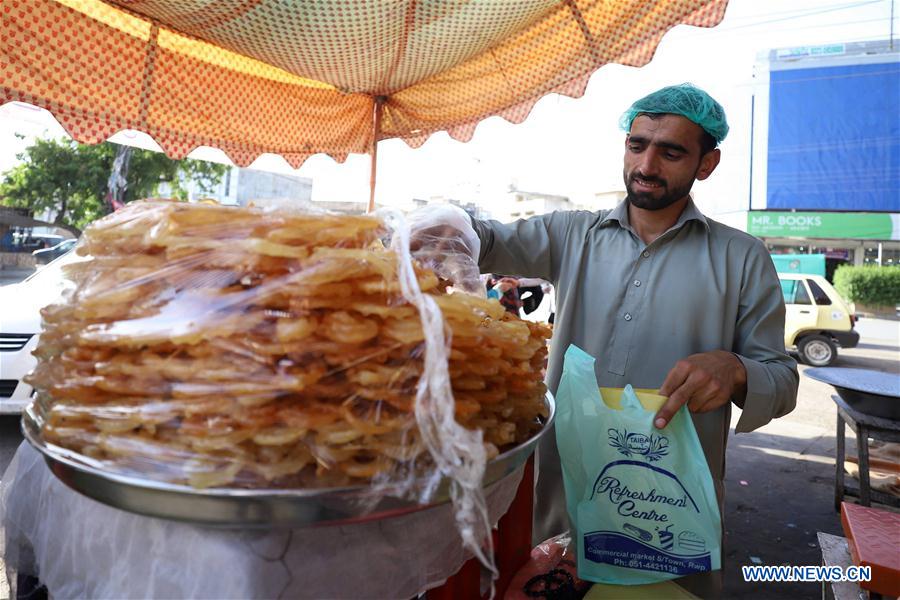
300 77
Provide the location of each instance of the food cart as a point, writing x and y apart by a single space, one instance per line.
256 77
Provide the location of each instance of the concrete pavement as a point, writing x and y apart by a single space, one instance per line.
779 493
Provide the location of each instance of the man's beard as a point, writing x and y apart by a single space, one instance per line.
648 201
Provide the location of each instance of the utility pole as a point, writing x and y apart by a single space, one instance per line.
892 25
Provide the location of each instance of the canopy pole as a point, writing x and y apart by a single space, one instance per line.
376 133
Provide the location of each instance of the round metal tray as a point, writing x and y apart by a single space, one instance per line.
871 392
245 508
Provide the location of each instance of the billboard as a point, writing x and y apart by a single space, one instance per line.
833 131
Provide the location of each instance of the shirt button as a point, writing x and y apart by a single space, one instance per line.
645 254
637 283
627 316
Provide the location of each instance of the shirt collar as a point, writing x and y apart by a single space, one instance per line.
690 213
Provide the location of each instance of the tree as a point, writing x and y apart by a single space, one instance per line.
70 180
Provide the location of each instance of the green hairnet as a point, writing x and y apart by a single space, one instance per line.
686 100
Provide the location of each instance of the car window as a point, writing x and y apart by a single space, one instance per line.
787 290
801 296
53 272
794 292
818 293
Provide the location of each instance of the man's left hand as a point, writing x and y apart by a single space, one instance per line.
704 382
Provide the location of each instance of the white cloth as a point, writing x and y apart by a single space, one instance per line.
81 548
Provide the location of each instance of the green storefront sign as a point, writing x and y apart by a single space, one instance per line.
826 50
860 226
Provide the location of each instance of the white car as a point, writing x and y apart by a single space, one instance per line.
20 326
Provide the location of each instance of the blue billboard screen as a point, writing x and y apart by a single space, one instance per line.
834 138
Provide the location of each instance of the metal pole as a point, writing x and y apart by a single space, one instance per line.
879 253
892 25
117 183
378 108
752 122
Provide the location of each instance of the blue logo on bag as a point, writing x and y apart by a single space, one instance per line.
652 447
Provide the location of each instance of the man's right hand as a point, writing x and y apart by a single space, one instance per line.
442 238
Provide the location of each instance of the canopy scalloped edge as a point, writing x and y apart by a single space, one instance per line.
174 148
514 115
273 111
708 17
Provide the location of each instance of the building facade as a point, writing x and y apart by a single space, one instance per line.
476 211
240 187
521 204
825 160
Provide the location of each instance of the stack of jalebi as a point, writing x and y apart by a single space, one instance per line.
221 346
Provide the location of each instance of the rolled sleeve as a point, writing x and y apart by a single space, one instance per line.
770 394
772 377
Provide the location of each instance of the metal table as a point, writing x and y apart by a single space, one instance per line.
874 393
865 426
869 402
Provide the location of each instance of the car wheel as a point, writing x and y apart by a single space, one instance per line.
817 350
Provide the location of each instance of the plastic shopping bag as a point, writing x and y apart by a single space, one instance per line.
641 500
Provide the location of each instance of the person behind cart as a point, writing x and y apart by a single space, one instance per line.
506 290
660 294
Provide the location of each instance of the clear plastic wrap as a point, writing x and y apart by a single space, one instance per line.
246 348
550 572
444 241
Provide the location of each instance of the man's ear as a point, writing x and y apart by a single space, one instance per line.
708 164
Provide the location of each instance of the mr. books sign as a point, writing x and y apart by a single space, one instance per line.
869 226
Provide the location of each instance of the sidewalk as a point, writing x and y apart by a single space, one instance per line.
779 493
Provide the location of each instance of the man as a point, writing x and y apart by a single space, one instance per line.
658 293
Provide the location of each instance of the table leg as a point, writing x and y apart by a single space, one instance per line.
839 464
862 447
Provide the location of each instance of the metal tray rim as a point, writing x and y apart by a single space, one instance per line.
71 471
817 374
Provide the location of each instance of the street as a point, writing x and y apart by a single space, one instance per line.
879 350
779 479
10 437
